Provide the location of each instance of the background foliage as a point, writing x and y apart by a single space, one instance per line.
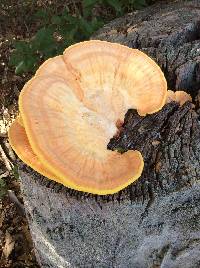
62 28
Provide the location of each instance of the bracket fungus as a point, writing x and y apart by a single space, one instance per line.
21 145
69 111
178 96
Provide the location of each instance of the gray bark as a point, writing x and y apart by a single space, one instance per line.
154 222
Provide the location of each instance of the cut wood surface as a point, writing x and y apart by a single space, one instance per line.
154 222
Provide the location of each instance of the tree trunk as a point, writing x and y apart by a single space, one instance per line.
154 222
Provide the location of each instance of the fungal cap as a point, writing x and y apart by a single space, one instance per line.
20 144
70 108
178 96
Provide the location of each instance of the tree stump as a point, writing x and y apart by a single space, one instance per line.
155 222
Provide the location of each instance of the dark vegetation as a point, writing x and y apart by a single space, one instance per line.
62 26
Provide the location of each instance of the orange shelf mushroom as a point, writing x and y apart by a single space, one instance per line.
178 96
20 144
70 109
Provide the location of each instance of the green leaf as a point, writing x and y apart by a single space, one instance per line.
15 172
138 4
43 39
50 52
68 18
42 14
23 57
57 20
31 62
15 58
68 34
22 46
20 68
87 28
27 64
62 47
96 24
116 5
89 3
65 12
